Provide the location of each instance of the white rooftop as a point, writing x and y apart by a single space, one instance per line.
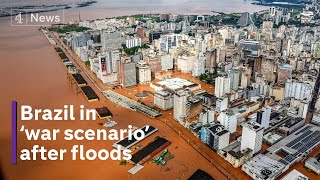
295 175
175 83
263 167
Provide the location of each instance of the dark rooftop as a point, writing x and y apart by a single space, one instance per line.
200 175
149 149
103 112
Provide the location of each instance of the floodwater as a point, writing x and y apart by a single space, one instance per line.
170 6
32 74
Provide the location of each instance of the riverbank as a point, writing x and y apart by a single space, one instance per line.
27 9
289 5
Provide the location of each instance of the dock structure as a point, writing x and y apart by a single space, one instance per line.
49 38
79 79
135 169
126 143
131 104
63 57
150 150
58 50
89 93
103 113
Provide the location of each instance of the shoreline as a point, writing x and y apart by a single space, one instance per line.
28 9
279 4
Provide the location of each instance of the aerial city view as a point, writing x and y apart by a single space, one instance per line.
220 89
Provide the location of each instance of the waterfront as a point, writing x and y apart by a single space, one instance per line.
146 6
107 8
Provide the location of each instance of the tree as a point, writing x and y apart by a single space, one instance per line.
203 77
87 63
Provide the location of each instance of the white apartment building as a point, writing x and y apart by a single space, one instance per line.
216 136
186 62
199 66
222 86
252 135
229 120
163 100
168 41
298 90
180 109
166 62
263 116
221 104
133 42
207 115
144 72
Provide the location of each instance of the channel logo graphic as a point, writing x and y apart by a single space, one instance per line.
35 17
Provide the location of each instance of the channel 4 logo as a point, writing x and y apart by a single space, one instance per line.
20 17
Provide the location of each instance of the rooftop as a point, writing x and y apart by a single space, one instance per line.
253 126
295 175
314 162
296 145
263 167
218 129
175 83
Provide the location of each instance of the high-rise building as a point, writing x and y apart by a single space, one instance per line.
245 77
79 39
216 136
222 86
211 57
303 109
144 72
180 109
102 64
167 41
207 115
298 90
166 62
153 36
263 116
272 11
128 74
284 73
229 120
111 40
163 99
112 56
222 104
234 75
133 42
249 48
252 135
199 66
186 62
